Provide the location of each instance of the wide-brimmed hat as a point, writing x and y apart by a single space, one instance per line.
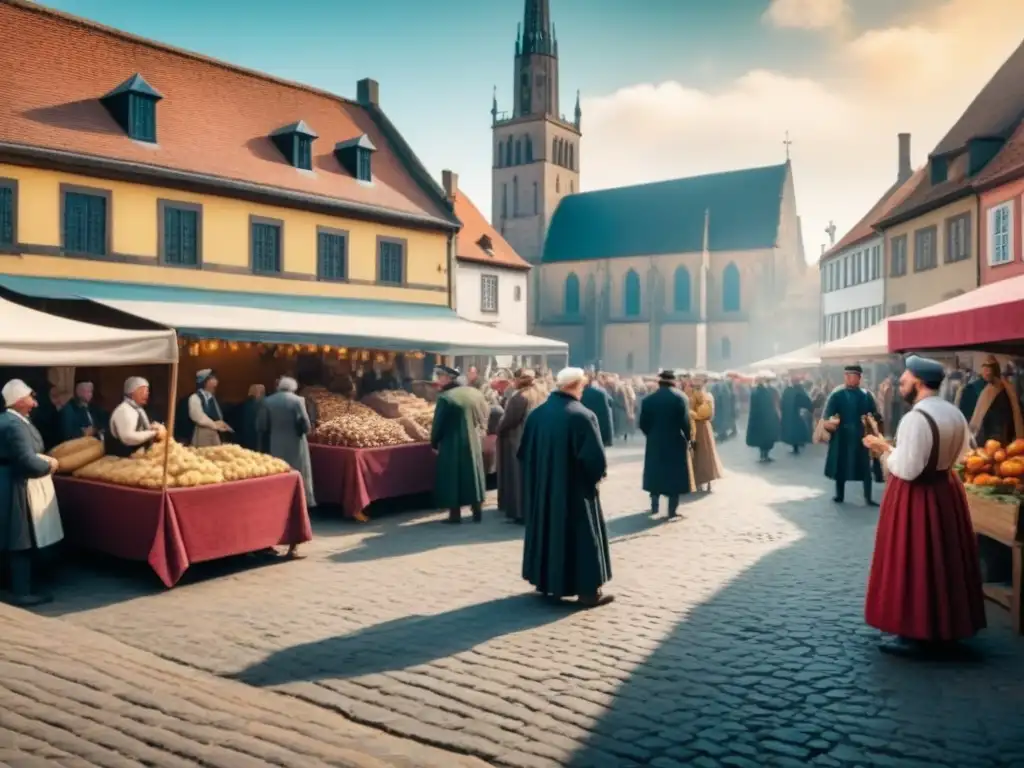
667 375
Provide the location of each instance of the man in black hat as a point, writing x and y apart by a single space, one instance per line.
665 422
925 583
460 418
848 459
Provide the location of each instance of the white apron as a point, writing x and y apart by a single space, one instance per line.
42 505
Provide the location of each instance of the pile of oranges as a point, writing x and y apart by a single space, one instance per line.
995 465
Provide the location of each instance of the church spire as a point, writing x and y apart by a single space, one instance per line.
579 111
538 34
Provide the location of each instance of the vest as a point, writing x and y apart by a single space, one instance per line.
210 407
114 447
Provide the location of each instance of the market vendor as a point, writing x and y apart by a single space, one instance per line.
992 406
130 426
81 417
204 411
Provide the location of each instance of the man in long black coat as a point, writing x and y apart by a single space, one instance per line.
848 459
599 402
665 422
565 550
795 428
763 419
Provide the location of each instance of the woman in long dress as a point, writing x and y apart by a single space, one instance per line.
527 396
706 464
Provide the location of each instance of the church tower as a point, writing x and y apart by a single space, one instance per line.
536 149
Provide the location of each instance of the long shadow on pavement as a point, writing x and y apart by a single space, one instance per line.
403 643
778 668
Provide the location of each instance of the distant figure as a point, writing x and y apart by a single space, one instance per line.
848 459
665 422
526 396
599 402
763 419
247 419
460 418
707 467
795 402
991 406
81 417
283 426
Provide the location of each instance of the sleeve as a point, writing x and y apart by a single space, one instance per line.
122 426
437 427
605 427
590 454
831 405
644 422
687 424
913 447
29 463
196 414
803 401
303 424
514 414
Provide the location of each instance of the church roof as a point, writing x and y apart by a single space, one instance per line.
668 217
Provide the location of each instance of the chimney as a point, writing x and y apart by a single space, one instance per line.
450 182
368 92
905 170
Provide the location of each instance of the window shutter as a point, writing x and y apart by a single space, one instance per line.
7 214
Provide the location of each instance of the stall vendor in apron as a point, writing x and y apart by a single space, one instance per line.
130 427
204 411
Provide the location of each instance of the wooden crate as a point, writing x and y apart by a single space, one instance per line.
1002 521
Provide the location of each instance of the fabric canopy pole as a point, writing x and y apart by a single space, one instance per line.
171 413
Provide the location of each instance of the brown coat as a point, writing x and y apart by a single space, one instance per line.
706 464
510 432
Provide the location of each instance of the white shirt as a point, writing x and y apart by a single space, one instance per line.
196 413
123 422
914 439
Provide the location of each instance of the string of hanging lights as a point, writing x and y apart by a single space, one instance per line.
195 347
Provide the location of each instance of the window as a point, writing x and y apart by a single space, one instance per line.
731 289
631 294
508 151
876 262
515 195
536 199
958 238
924 249
141 118
529 149
364 168
572 166
390 261
897 309
571 301
486 245
331 254
180 236
1000 228
558 185
265 244
304 152
681 290
519 152
504 201
488 293
726 348
898 256
86 222
8 212
517 293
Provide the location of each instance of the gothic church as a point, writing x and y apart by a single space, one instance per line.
706 271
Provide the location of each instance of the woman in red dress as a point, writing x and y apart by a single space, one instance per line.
925 583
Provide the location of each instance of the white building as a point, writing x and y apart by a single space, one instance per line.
490 277
853 272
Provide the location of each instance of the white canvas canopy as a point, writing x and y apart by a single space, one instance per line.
446 335
798 359
871 342
33 338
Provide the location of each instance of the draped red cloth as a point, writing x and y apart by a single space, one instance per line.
925 581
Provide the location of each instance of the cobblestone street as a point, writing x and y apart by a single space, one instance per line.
736 639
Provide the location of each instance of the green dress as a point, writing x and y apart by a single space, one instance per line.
460 417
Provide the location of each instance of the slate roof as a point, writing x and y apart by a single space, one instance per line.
668 217
215 119
474 227
865 228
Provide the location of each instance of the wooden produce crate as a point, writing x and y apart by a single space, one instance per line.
1000 519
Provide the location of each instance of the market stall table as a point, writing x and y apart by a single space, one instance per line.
175 528
354 478
1000 520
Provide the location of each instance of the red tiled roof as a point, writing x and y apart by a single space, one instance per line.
214 119
474 227
865 228
1008 164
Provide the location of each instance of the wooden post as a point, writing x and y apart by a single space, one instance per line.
170 419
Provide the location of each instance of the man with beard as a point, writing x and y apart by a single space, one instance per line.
665 422
565 549
991 406
848 459
460 419
925 583
763 419
795 401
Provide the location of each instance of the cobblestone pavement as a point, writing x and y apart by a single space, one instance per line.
72 697
737 637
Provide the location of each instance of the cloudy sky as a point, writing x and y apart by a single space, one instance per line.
670 87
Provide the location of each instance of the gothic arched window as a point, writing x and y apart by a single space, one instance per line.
554 150
572 294
731 289
572 167
519 152
681 290
529 149
536 199
508 151
515 195
726 348
631 294
499 154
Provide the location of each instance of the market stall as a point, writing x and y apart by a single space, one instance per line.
168 507
988 319
870 343
805 358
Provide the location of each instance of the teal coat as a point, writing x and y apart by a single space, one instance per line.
848 459
460 418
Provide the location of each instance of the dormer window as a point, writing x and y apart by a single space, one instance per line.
939 171
133 105
356 157
486 245
295 142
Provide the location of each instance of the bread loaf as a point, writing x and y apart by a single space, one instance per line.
71 446
86 453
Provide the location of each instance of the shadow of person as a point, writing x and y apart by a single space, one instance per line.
403 643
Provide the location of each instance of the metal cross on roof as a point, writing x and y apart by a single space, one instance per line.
787 143
830 230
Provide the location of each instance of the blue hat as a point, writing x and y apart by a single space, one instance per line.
930 372
203 376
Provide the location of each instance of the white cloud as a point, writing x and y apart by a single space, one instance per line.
807 14
918 77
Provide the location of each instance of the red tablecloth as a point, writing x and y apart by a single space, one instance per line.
353 478
173 529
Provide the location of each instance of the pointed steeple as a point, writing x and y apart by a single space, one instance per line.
538 35
579 111
494 106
